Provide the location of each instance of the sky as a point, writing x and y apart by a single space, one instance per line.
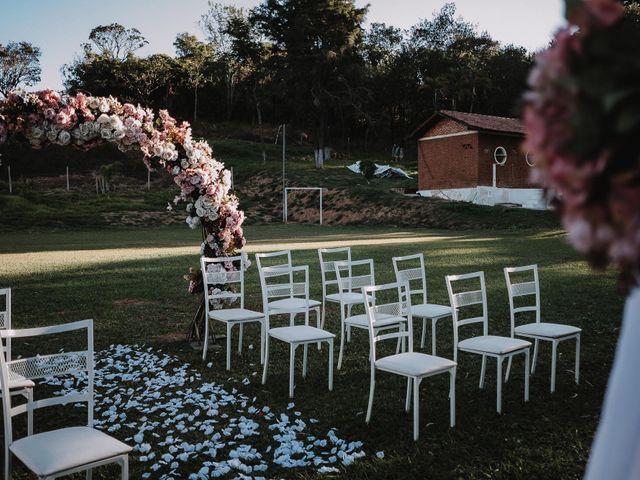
59 27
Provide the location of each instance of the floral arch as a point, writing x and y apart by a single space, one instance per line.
84 122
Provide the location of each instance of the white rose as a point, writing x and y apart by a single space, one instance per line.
176 170
200 212
104 105
106 134
118 133
184 163
189 207
64 137
93 102
37 132
115 122
103 118
157 150
52 135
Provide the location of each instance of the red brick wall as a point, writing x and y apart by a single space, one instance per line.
514 173
449 162
446 126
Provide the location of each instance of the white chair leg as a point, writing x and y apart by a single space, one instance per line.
433 336
342 335
229 325
499 386
125 468
416 408
320 323
263 338
29 412
205 345
330 364
266 360
506 375
483 370
304 360
577 367
292 366
554 351
526 375
241 326
89 474
324 310
452 397
535 356
407 402
7 462
423 337
349 326
372 388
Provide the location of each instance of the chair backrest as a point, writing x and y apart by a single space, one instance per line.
328 257
5 319
219 275
354 275
467 298
281 258
371 296
79 363
411 269
284 282
523 289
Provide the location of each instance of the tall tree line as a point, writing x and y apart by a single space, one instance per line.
314 64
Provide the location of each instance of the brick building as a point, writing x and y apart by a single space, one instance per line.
473 157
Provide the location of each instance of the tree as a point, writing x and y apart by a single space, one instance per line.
115 41
19 65
228 31
317 45
194 60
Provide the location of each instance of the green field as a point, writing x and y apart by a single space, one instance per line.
130 282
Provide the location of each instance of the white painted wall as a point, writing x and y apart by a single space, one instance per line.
531 198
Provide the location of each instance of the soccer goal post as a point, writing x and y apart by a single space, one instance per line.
286 200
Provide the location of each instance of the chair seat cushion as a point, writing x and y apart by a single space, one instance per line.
430 310
347 298
300 334
549 330
235 315
292 304
414 364
493 344
382 320
58 450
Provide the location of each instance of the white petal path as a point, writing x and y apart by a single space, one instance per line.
182 427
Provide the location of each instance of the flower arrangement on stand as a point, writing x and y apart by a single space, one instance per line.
582 118
84 122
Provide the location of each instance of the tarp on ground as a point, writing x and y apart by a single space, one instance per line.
382 171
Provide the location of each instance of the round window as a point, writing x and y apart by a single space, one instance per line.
500 155
529 159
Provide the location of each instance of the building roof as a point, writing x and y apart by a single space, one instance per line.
474 121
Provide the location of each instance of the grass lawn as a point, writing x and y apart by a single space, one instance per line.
130 282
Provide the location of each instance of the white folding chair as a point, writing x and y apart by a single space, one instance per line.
330 288
283 259
486 345
413 365
60 452
18 386
406 271
278 280
352 276
551 332
218 282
